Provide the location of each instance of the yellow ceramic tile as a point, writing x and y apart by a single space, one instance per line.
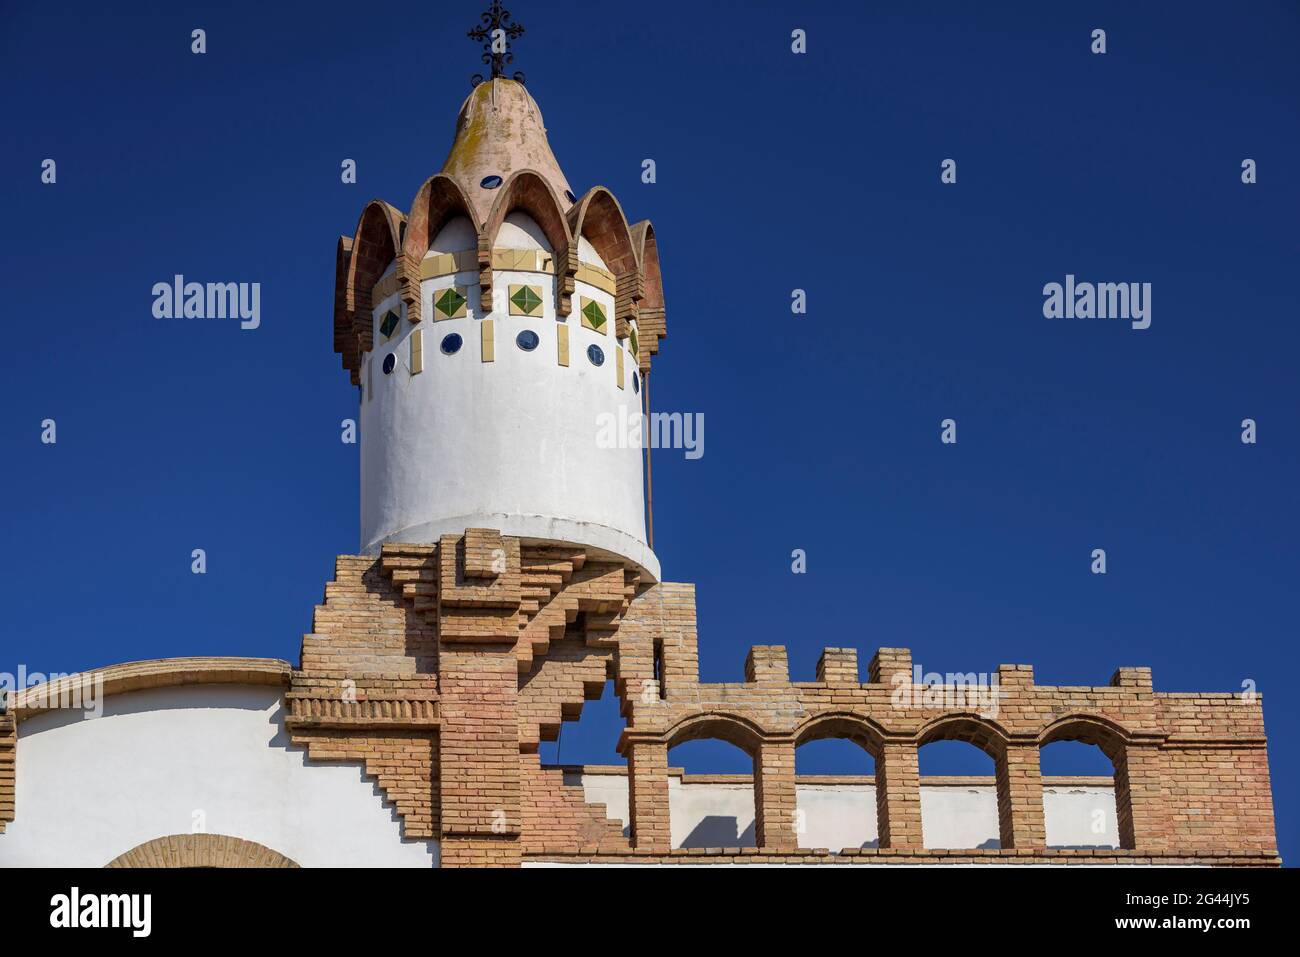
445 264
489 345
618 363
595 276
562 344
417 352
383 289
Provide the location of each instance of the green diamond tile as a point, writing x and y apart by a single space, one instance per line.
526 299
449 303
595 315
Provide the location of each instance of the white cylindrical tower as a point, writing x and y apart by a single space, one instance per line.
498 349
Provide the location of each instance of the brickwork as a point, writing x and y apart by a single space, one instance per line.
558 820
441 668
1191 769
912 858
200 850
8 776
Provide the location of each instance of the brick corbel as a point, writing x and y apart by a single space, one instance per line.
485 273
629 291
408 278
566 268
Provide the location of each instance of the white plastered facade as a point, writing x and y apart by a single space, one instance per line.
174 760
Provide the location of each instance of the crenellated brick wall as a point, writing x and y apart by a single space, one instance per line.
443 667
1191 769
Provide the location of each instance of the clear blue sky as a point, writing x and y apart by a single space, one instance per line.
775 171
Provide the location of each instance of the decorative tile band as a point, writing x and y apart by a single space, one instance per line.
602 279
447 264
385 287
517 260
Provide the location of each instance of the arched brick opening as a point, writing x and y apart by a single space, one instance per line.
1112 740
200 850
992 740
721 830
867 736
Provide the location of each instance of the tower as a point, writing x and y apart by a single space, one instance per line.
496 331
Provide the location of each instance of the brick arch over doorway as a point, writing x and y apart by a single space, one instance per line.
200 850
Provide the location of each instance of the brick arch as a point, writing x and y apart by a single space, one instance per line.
857 728
1110 736
867 735
528 191
599 217
374 246
730 728
200 850
438 201
1010 768
1114 740
650 312
345 340
987 735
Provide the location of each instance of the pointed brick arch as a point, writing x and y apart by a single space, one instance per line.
650 311
599 217
374 246
529 192
438 201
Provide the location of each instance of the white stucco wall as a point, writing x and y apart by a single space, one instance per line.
509 444
89 790
838 815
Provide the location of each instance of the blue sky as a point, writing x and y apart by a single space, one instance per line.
775 172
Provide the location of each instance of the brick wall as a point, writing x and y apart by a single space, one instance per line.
443 667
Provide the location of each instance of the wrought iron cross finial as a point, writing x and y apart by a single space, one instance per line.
495 32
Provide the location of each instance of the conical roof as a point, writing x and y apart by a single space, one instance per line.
498 132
